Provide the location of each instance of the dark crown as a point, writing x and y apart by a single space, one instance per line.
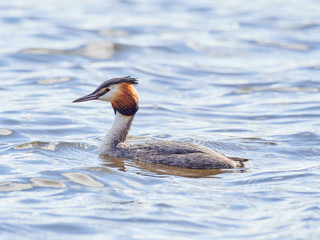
113 81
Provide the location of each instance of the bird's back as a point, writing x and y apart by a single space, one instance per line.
179 154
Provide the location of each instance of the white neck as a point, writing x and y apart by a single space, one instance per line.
117 133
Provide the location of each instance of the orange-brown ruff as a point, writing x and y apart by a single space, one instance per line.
124 100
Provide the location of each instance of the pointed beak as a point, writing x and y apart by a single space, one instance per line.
91 96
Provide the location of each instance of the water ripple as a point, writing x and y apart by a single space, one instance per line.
237 77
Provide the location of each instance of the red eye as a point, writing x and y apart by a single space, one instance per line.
107 90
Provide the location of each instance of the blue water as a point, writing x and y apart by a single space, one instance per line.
236 76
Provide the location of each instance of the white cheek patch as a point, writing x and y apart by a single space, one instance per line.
109 96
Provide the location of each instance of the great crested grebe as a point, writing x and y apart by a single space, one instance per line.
124 100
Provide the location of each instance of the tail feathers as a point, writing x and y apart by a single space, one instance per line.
240 161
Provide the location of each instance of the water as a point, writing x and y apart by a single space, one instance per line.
236 76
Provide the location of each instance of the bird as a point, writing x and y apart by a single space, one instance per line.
123 96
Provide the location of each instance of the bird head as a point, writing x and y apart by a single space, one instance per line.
119 92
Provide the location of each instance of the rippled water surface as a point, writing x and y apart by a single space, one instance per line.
240 77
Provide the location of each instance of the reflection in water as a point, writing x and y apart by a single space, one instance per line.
294 46
40 182
13 186
100 51
5 132
115 162
54 80
83 179
161 169
75 177
50 146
